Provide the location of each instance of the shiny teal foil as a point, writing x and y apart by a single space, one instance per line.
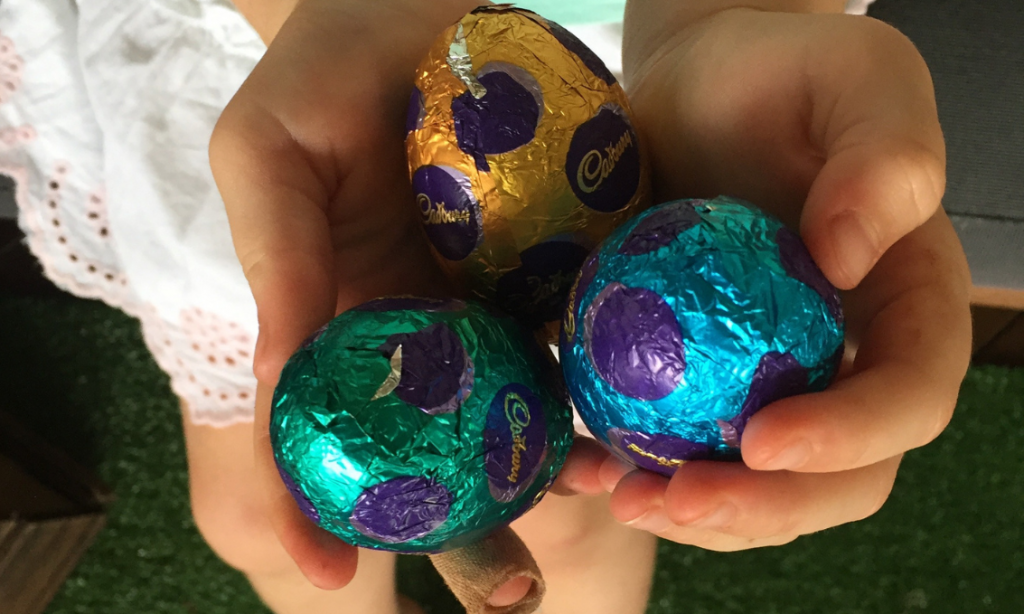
686 321
417 425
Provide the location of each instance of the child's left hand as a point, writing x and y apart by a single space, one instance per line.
829 122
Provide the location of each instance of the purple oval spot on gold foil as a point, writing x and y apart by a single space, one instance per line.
503 120
450 210
797 262
536 291
415 113
777 376
401 509
603 163
436 371
577 47
662 454
635 342
515 441
659 228
305 505
411 303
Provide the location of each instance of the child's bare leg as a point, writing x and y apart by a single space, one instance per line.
229 512
591 563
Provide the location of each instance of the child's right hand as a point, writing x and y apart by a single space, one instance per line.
309 158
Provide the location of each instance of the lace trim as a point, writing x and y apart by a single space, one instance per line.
213 399
11 66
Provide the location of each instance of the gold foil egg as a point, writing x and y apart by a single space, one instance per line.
523 157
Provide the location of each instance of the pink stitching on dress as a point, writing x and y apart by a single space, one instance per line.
11 66
12 137
229 345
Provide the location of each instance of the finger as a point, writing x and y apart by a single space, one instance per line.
324 559
911 357
638 502
734 499
877 124
580 474
276 207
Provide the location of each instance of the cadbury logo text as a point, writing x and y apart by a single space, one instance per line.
597 166
664 462
438 213
518 414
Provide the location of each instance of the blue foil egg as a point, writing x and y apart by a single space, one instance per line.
686 321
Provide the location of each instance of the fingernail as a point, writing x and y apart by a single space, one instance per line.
612 471
511 592
719 517
654 521
793 457
855 244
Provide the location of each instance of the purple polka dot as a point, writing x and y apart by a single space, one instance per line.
411 303
659 228
584 53
401 509
635 342
305 505
450 210
436 372
658 453
504 119
415 113
603 163
777 376
515 441
536 291
797 262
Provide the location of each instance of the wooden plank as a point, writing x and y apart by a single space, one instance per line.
987 323
81 533
28 497
1005 298
1006 348
52 467
36 563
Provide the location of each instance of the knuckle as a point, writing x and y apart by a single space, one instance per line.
924 171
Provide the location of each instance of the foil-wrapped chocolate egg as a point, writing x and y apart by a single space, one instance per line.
418 425
522 155
689 319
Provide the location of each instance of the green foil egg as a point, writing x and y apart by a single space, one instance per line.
418 425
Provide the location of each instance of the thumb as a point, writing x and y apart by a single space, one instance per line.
884 173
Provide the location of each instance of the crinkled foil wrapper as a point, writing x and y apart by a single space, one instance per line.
523 157
686 321
416 425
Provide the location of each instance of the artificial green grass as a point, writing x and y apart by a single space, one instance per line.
948 540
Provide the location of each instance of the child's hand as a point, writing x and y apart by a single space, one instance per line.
829 121
309 158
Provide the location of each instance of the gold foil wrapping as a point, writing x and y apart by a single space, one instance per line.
564 187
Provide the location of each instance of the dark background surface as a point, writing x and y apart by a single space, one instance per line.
976 54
